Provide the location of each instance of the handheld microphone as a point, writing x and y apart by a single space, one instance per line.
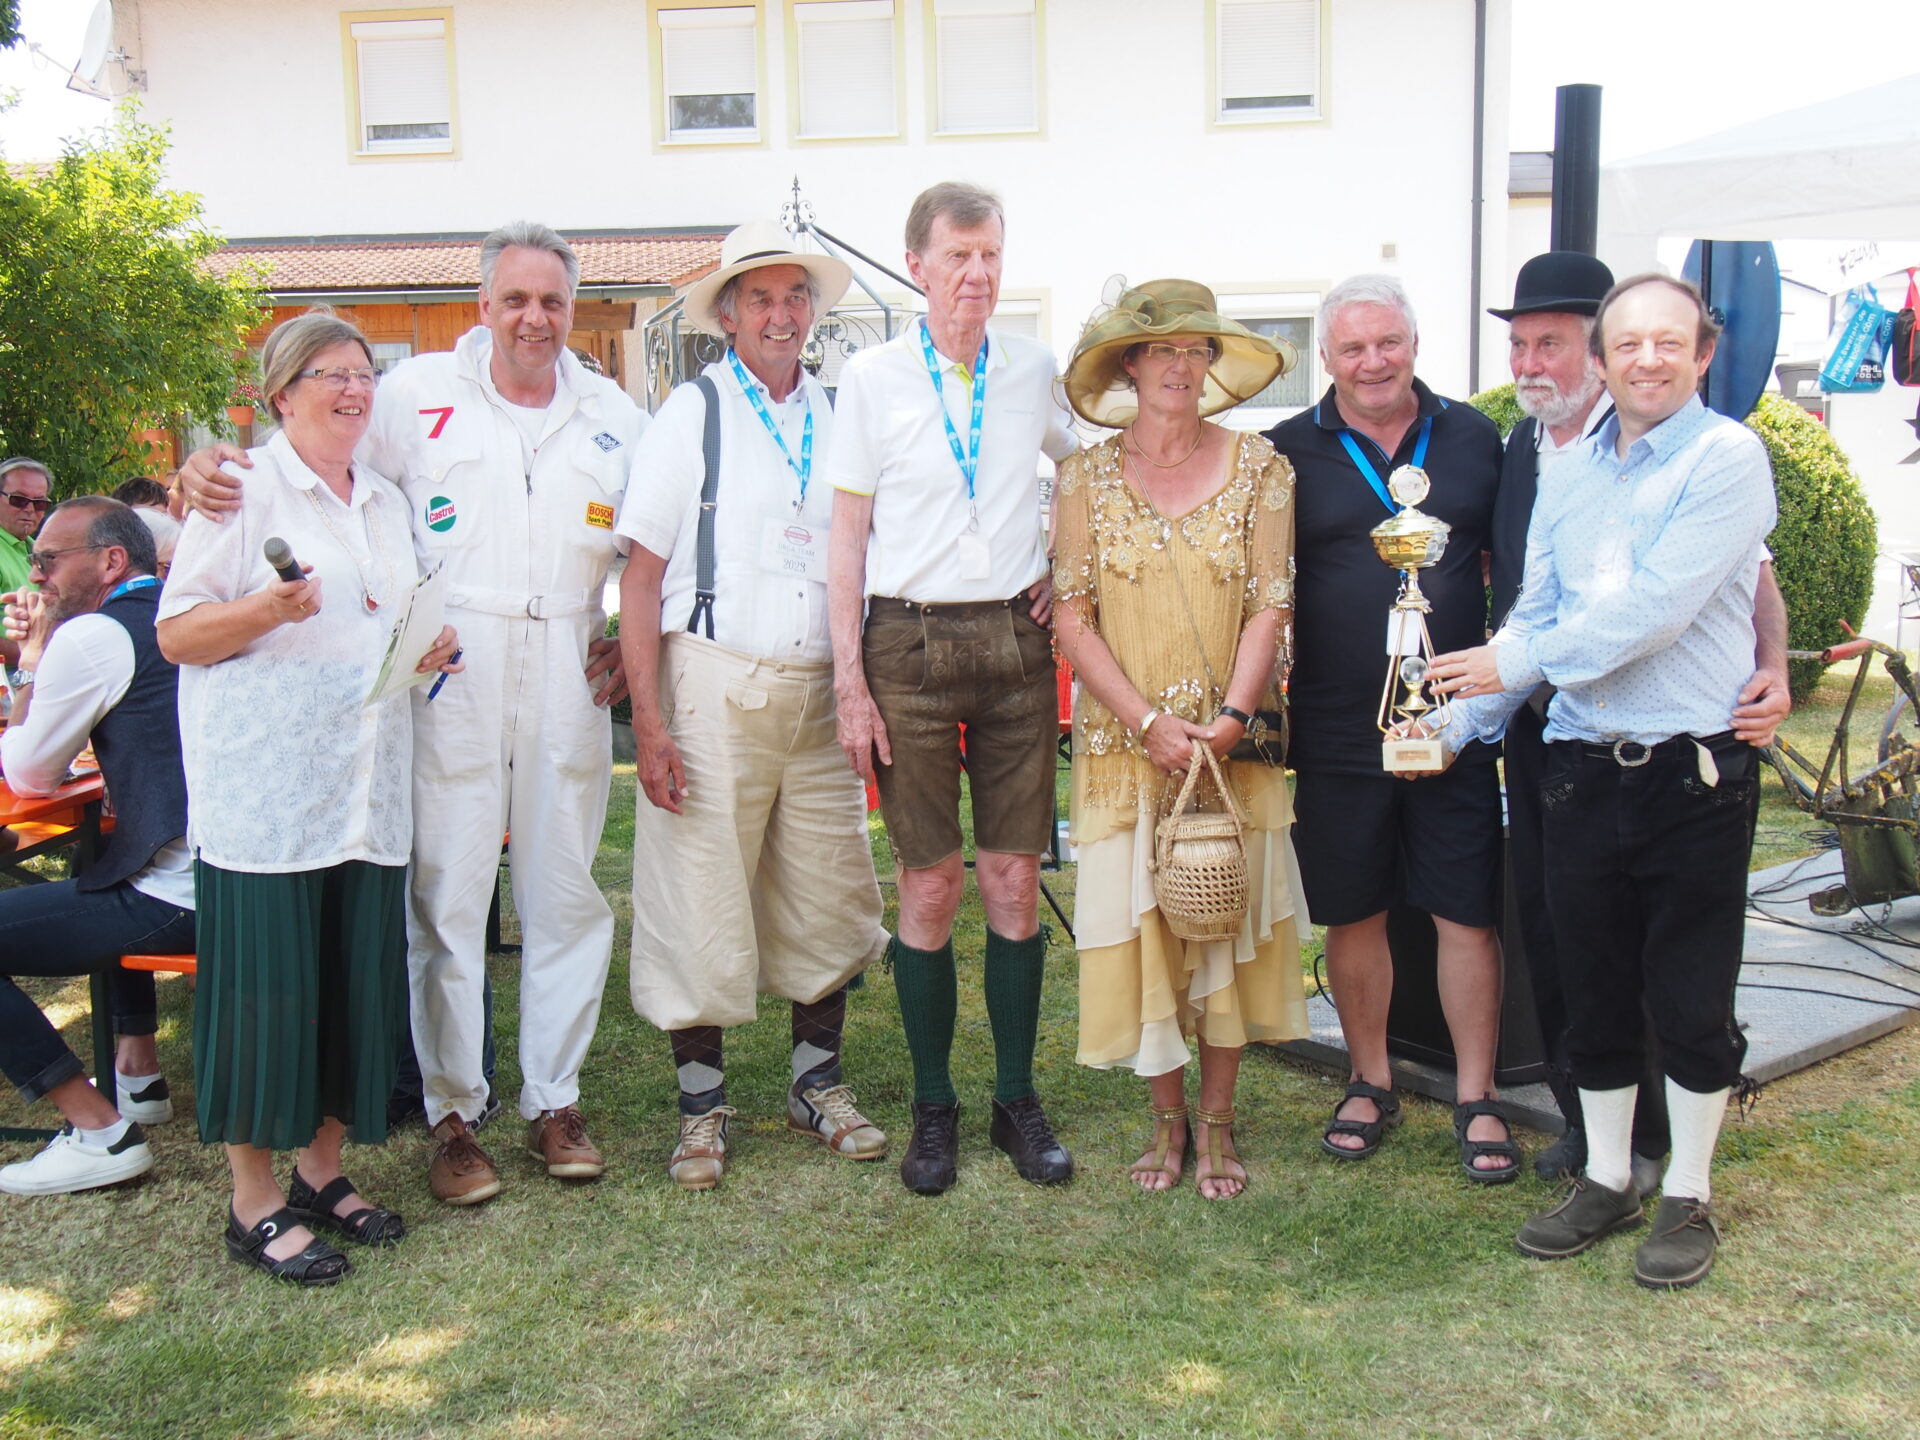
280 556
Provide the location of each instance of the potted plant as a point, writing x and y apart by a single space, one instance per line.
241 404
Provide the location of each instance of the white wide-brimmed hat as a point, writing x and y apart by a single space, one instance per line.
754 244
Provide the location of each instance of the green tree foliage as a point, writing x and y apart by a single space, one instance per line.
1825 542
1826 538
108 321
9 24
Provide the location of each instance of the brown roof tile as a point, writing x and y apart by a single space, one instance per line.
428 264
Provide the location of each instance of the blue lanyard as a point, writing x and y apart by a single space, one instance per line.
1365 466
804 469
969 459
127 587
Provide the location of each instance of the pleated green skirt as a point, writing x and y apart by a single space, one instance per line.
301 1003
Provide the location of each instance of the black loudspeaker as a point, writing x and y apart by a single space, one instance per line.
1416 1028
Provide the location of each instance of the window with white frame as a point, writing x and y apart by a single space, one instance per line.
1268 59
1287 317
709 73
402 92
986 66
847 84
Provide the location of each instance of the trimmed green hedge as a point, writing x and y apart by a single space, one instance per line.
1826 538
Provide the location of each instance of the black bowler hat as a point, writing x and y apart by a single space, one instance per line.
1568 282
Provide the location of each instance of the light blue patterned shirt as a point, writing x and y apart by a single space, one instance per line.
1637 601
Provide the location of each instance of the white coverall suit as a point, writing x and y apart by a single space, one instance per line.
515 740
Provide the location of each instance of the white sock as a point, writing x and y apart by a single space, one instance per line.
101 1139
134 1083
1696 1130
1609 1122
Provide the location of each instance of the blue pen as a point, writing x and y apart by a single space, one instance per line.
453 660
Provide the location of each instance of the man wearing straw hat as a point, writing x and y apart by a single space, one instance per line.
939 607
771 889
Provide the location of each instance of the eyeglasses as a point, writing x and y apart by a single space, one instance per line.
1201 355
338 377
41 503
42 560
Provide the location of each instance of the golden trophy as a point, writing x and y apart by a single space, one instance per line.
1410 542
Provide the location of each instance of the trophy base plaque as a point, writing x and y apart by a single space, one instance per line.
1412 755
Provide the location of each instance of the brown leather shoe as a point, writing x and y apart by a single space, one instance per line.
700 1159
559 1137
461 1172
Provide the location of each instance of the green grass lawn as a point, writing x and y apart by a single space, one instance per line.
813 1297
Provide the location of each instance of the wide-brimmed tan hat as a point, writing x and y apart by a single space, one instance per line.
757 243
1098 386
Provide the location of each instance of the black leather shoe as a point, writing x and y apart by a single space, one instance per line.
933 1154
1020 1128
1563 1159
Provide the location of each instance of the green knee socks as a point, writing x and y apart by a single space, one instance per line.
1014 970
928 1002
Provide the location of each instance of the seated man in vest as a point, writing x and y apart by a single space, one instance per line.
90 671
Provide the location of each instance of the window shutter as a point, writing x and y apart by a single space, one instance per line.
709 53
404 100
1269 60
846 68
986 65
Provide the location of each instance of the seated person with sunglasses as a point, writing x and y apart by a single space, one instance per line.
25 498
97 676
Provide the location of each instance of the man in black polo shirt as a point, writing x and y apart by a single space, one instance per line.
1366 839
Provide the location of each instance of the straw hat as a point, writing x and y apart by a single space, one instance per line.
752 245
1098 386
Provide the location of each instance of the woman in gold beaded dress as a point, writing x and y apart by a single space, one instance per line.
1173 596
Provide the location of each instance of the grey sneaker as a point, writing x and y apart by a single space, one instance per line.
1585 1214
1679 1252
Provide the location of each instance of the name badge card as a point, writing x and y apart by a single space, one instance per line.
787 547
1403 633
971 551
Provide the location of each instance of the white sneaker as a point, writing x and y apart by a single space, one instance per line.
151 1104
831 1116
69 1163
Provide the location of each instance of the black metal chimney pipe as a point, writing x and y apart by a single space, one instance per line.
1576 167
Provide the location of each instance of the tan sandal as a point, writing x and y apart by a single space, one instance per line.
1217 1152
1161 1159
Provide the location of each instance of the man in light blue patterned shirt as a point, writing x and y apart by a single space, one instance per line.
1637 605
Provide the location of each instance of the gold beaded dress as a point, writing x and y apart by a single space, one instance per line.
1142 989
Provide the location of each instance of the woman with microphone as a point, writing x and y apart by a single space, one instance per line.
300 810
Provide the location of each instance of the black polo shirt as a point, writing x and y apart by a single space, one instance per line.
1343 590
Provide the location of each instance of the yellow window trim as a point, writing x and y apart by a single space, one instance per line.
663 141
899 136
930 29
350 72
1323 107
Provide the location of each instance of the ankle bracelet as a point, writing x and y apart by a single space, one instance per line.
1213 1117
1173 1113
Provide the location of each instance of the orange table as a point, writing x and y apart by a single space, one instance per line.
41 824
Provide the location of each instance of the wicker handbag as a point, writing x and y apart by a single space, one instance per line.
1199 860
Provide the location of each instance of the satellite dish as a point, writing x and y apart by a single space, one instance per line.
93 50
1741 282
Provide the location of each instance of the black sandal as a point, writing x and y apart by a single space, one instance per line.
1470 1150
369 1225
1369 1131
318 1264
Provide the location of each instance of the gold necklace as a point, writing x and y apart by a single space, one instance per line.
1171 464
367 597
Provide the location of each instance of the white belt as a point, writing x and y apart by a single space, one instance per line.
520 605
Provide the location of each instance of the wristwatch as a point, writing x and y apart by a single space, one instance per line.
1246 720
19 679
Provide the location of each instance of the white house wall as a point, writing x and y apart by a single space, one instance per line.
555 121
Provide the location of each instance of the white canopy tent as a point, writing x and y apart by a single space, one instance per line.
1843 169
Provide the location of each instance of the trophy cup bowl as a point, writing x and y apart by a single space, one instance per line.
1410 540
